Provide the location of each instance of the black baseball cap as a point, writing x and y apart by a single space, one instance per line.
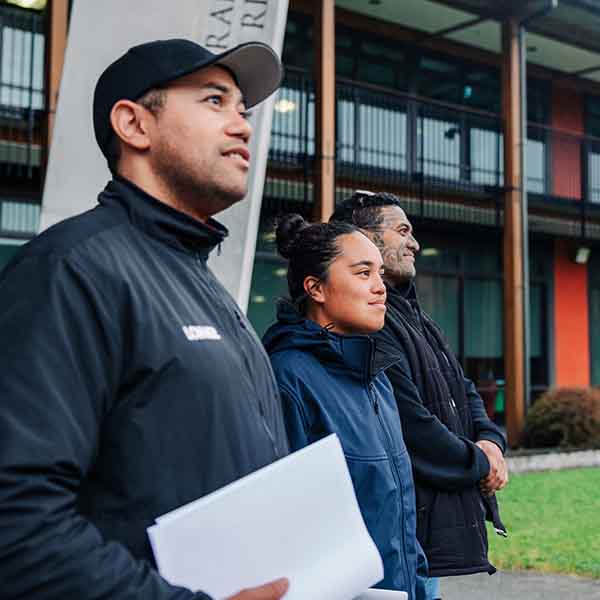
255 66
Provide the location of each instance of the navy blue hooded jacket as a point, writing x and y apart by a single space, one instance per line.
328 385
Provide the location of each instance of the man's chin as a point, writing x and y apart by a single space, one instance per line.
226 199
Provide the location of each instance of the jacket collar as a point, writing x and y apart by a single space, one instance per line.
352 353
398 293
162 221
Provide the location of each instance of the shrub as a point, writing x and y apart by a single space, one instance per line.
564 417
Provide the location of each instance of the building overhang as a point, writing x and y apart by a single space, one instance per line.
564 38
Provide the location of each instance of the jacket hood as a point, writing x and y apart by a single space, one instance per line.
162 221
352 353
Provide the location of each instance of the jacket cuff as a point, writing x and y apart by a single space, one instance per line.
482 462
496 438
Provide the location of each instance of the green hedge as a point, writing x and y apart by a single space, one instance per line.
564 417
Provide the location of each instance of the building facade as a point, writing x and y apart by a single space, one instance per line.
417 98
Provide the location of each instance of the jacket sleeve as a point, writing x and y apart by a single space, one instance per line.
59 362
439 457
485 428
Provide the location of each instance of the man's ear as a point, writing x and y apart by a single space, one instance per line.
130 122
314 289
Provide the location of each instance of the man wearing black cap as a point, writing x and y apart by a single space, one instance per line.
130 382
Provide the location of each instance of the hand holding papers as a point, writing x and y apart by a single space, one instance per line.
296 518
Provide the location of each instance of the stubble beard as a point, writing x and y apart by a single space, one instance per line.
194 190
395 272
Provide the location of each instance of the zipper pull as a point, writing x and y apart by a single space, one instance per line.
375 401
376 405
452 404
240 320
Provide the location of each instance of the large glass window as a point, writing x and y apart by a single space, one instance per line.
439 296
371 130
21 86
540 291
362 56
460 285
593 160
594 286
293 128
269 278
298 45
22 60
438 150
535 161
487 155
592 128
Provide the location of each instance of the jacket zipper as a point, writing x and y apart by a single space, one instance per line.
261 409
252 393
388 445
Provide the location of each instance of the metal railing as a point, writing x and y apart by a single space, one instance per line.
423 148
22 102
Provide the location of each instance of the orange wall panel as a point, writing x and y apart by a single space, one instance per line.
567 116
571 324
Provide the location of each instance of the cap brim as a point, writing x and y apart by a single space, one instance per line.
257 69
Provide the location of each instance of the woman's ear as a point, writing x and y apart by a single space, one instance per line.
130 124
314 289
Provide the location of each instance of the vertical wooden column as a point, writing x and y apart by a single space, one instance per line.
325 109
514 341
56 43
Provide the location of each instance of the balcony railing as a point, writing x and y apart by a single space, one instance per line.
419 147
22 103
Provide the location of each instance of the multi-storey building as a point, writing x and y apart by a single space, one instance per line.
422 98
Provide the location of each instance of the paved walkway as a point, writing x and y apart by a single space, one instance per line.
520 586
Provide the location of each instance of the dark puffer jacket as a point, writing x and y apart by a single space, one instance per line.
443 417
328 385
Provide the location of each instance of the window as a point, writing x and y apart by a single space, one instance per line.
22 60
460 285
535 161
540 291
21 87
298 46
269 278
486 154
438 145
536 150
592 128
293 128
370 59
594 300
371 130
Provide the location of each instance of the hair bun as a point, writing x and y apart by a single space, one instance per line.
288 228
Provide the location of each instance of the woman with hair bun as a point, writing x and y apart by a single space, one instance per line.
322 356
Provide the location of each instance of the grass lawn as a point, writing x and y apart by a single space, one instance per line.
553 520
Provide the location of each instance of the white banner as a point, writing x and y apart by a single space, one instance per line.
100 32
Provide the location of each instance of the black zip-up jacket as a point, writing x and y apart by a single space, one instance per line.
442 417
130 384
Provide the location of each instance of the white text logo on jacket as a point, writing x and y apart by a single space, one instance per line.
196 333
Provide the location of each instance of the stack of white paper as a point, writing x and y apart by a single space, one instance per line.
296 518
